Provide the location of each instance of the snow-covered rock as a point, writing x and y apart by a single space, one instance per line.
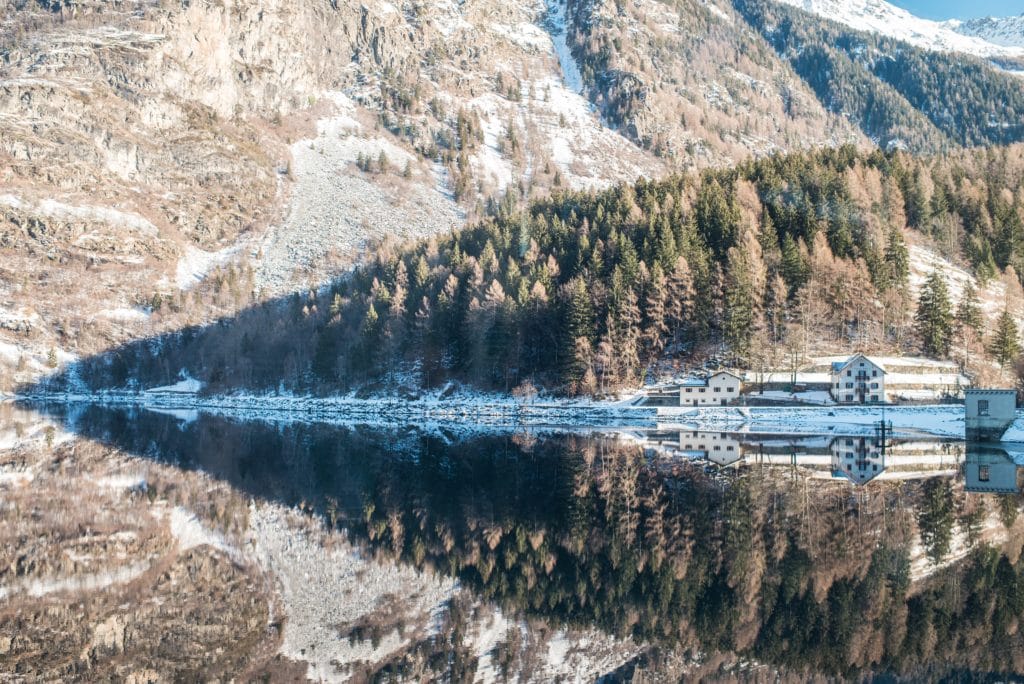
1004 31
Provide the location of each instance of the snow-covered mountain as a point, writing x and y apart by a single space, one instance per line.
1004 31
878 16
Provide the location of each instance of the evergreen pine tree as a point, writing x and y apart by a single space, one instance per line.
1005 345
968 313
794 267
934 318
739 313
897 257
577 324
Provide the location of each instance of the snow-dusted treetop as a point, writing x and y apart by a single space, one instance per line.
878 16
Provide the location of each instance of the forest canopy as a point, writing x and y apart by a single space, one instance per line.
583 291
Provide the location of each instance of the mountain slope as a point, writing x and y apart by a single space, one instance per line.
883 18
899 95
1003 31
691 82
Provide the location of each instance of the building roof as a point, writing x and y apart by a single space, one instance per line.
727 372
839 366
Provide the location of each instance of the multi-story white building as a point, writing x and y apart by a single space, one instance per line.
858 380
719 389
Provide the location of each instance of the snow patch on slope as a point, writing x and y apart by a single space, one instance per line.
878 16
55 209
196 264
557 25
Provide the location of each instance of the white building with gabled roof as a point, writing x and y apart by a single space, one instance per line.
862 379
858 380
718 389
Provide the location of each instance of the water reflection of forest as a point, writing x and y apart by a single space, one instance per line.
783 561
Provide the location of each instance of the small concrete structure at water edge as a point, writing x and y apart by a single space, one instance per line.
988 413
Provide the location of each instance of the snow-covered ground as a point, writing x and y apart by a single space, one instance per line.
878 16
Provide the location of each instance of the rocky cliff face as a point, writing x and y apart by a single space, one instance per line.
162 163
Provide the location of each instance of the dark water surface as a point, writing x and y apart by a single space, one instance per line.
811 554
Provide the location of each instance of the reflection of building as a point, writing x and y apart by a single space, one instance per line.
722 448
990 471
859 459
988 413
719 389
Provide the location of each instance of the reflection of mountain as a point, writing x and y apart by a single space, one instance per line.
584 531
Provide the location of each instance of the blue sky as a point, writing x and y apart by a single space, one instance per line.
959 9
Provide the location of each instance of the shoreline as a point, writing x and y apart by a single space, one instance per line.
467 409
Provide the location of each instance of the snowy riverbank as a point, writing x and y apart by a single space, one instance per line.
449 406
464 407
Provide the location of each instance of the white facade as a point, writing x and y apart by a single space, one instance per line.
719 389
858 380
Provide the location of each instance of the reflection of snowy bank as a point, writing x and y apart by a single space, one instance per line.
441 407
940 420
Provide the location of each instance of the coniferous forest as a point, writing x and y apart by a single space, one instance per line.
582 292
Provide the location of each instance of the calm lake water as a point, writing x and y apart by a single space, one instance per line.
461 554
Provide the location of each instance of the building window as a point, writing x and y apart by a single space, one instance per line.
849 385
874 385
702 390
729 448
718 389
689 389
718 447
861 364
849 373
874 398
730 389
874 374
983 407
983 473
849 397
849 442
